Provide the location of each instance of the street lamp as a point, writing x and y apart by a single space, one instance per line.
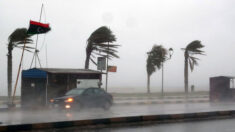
168 57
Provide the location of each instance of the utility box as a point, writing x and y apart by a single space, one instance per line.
222 89
39 85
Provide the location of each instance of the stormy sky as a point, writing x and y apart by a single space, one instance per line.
137 24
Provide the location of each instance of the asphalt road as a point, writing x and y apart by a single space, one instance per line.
37 116
223 125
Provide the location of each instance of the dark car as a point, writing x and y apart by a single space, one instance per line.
78 98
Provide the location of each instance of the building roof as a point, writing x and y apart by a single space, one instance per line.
69 71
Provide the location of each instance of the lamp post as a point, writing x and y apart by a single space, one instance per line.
168 57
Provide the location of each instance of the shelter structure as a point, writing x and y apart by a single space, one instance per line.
39 85
222 88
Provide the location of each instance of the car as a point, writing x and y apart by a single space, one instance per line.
78 98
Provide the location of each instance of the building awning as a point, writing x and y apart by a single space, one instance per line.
42 72
69 71
34 73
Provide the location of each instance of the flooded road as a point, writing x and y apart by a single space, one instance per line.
36 116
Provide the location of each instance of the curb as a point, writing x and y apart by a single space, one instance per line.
162 102
118 120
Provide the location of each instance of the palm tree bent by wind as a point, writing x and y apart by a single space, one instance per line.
156 57
193 48
100 43
16 40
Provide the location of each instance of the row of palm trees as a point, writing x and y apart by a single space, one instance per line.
157 56
100 43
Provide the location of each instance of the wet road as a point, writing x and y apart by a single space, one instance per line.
223 125
36 116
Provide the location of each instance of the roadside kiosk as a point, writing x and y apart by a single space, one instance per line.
39 85
222 88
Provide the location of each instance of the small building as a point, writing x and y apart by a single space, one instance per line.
39 85
222 88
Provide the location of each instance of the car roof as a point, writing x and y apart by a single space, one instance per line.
88 88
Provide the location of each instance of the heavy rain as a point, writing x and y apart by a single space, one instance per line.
86 60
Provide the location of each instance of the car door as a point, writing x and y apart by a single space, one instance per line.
99 96
88 97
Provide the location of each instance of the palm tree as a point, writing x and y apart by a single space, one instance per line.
15 40
156 57
191 49
99 43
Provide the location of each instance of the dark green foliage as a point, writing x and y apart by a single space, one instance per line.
16 40
193 48
100 43
156 57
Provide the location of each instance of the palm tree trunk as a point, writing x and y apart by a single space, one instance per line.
87 60
186 72
9 73
148 83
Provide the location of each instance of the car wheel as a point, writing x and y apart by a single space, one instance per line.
106 105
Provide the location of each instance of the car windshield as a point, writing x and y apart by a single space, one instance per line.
75 92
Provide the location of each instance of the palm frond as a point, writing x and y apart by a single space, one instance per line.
194 45
93 61
191 65
193 48
109 52
26 47
18 38
106 45
102 35
100 42
193 62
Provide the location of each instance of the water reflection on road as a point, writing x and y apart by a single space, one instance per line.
36 116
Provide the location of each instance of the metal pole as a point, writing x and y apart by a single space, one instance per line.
37 40
106 86
46 89
162 79
100 79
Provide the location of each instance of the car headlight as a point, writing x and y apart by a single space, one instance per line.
52 100
69 100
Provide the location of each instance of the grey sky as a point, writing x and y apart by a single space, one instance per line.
137 24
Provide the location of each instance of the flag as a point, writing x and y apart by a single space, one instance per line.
38 28
112 68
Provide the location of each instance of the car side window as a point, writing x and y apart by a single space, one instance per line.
98 91
89 92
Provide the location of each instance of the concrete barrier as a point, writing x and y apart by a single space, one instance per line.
162 102
119 120
166 97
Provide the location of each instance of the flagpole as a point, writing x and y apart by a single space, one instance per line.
17 78
36 53
107 70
